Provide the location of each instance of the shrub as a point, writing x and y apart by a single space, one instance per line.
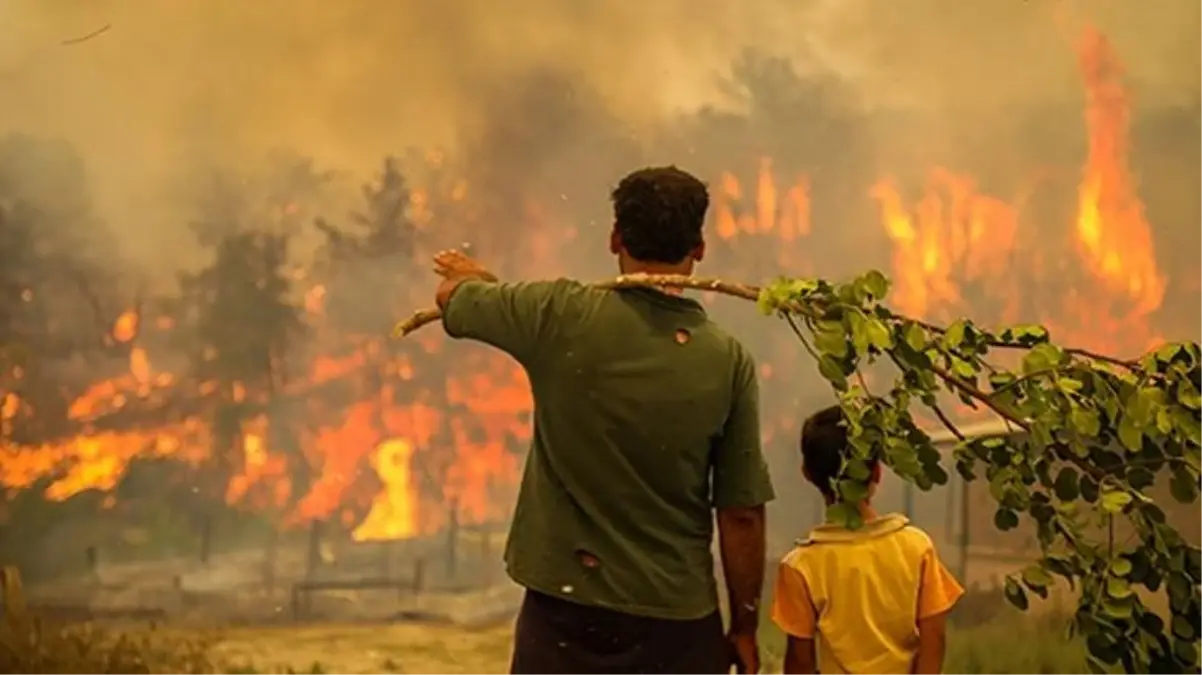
31 644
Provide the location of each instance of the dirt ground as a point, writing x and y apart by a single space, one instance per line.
398 648
404 647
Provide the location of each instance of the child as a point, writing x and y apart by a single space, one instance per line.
872 600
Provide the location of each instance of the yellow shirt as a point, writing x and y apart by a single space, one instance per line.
859 594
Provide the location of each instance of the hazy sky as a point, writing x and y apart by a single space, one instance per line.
350 80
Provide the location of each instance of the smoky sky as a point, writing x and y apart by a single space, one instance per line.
178 83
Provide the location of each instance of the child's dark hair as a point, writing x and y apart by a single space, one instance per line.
823 447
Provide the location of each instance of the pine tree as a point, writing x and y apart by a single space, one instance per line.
242 319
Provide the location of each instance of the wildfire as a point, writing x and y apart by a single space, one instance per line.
1115 239
426 432
957 251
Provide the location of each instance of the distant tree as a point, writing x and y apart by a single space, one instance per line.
58 302
239 319
360 266
372 253
56 295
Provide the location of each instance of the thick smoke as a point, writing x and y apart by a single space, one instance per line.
184 83
173 86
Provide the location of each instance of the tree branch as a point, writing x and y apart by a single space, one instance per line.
747 292
84 38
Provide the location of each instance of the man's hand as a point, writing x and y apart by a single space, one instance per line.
744 651
454 265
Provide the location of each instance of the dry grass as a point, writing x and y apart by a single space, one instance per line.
987 638
399 648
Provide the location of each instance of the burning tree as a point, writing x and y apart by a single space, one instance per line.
56 327
241 320
372 251
52 307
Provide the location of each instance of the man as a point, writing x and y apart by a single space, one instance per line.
646 421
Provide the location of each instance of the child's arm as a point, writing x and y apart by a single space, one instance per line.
932 644
937 594
793 612
799 656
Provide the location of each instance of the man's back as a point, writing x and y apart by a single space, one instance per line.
638 399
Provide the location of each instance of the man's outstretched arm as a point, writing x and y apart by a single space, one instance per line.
515 318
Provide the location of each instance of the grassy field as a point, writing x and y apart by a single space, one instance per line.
987 636
1009 644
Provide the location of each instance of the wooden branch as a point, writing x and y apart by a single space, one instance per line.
84 38
737 290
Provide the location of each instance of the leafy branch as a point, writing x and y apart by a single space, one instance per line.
1090 435
428 316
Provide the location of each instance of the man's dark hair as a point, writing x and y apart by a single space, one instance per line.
824 446
659 211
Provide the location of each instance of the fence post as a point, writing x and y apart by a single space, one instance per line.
270 556
949 515
908 499
92 558
486 560
964 524
313 553
453 539
385 553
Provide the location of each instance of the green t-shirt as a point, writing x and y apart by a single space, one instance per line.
646 418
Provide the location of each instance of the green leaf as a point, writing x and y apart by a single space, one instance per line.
1005 519
765 302
875 283
1183 486
1188 396
1042 357
1015 594
1119 608
857 470
1120 567
1118 588
1180 589
1036 577
856 328
954 337
1114 501
1183 628
852 491
1066 485
915 336
1186 651
1130 435
1025 335
878 334
1085 421
1089 489
845 515
829 338
830 370
1142 406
